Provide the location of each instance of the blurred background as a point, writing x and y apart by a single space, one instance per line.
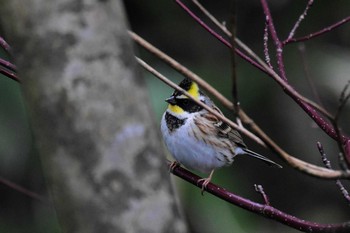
167 26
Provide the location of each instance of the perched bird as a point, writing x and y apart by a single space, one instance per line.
196 138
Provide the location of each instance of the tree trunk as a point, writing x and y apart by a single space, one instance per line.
91 116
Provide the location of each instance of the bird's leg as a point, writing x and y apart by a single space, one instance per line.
173 165
206 181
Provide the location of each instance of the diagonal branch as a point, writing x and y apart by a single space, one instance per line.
311 108
298 164
301 18
264 210
200 103
5 45
9 74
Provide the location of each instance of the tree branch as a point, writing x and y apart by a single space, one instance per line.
296 163
318 33
264 210
5 45
311 108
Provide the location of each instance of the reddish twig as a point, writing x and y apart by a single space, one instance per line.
264 210
318 33
276 40
259 188
22 190
328 165
8 65
301 18
266 44
5 45
9 74
308 76
219 37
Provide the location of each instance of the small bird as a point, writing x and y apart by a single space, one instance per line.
196 138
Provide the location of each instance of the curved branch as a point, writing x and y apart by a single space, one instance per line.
300 165
264 210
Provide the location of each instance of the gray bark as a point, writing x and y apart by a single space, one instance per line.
91 116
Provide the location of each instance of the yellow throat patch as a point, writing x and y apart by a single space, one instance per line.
193 91
175 109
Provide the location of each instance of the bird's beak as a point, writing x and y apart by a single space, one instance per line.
171 100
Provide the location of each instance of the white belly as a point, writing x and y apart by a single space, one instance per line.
193 154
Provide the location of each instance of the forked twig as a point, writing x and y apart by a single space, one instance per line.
318 33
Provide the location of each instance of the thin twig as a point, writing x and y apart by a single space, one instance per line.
212 18
259 188
308 76
22 190
217 36
275 39
8 65
328 165
203 105
261 209
181 69
343 99
5 45
301 18
9 74
318 33
266 44
233 61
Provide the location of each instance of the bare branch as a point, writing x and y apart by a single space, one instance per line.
301 18
264 210
22 190
8 65
276 40
328 165
266 44
5 45
308 76
9 74
217 36
318 33
298 164
308 106
259 188
208 108
181 69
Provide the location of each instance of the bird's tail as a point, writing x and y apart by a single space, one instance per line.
263 158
